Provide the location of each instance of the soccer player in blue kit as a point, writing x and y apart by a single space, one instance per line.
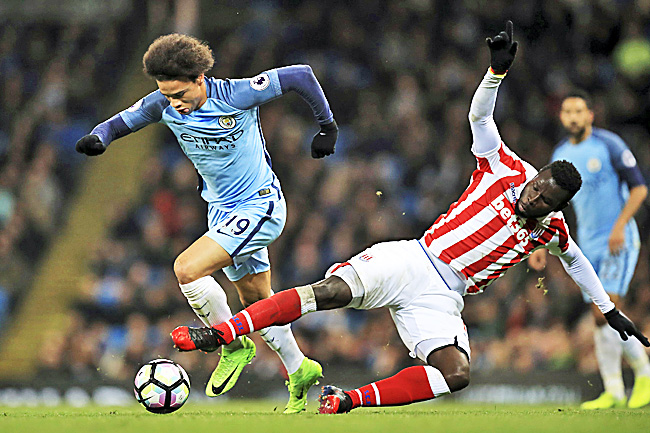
216 122
612 191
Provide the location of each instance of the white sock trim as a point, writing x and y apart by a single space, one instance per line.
307 299
190 290
377 398
360 397
234 334
248 319
437 381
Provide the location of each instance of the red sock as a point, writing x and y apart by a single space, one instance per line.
282 308
407 386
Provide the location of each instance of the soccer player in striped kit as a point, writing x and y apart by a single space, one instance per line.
609 237
217 125
508 210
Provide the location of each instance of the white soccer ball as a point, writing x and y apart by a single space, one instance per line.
162 386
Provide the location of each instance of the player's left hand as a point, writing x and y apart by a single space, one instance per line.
502 50
616 239
324 142
624 326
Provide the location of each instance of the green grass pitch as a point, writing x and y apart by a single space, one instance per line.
265 416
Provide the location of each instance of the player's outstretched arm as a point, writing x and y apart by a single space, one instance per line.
144 112
100 137
583 274
484 131
269 85
301 79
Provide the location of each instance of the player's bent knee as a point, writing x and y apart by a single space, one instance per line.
183 271
453 364
457 379
332 293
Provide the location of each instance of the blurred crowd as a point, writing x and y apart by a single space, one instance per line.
399 77
53 80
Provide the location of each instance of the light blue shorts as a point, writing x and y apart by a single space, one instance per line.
615 272
245 232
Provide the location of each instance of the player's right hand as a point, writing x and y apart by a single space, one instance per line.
624 326
502 50
90 145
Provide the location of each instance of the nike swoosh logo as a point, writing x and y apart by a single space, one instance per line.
224 233
299 396
177 123
201 307
217 389
144 399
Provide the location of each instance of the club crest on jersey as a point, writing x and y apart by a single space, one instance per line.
260 82
365 257
539 230
594 165
227 122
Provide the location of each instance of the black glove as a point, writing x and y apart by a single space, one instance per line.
624 326
91 145
324 142
502 50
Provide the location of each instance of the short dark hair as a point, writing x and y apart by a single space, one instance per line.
177 57
579 93
566 176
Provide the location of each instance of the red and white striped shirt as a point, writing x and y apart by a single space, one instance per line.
480 237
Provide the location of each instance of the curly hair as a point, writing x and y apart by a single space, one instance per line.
177 57
565 175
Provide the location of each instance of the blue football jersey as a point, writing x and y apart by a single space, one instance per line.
605 163
223 138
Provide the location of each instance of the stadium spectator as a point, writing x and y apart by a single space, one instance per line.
40 118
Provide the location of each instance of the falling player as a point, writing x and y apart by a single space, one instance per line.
609 237
217 125
508 210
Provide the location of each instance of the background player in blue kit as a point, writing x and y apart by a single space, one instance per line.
217 125
612 191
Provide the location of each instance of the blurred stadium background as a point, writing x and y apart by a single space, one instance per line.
87 292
